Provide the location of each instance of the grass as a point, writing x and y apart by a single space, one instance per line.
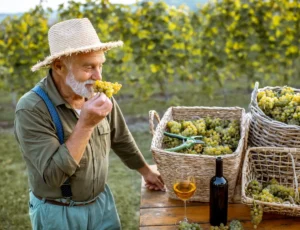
125 185
13 186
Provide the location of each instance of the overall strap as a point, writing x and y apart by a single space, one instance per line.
66 187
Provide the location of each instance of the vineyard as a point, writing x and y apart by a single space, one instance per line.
166 46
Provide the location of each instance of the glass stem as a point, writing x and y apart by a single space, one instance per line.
185 218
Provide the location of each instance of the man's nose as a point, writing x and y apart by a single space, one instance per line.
97 75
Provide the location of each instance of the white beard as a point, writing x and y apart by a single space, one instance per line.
79 87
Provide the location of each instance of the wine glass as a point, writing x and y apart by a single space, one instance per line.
184 186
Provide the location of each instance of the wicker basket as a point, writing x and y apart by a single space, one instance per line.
202 165
265 163
264 131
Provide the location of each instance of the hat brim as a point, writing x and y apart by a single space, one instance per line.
86 49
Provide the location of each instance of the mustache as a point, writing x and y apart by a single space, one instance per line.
89 82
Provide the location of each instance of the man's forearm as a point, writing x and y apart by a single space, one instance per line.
78 141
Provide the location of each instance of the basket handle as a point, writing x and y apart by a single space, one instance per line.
254 94
295 175
152 114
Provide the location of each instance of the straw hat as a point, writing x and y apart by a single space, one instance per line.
73 36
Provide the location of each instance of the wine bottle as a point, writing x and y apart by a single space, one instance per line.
218 199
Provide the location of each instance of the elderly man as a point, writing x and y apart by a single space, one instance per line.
65 133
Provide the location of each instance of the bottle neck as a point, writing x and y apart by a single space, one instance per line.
219 167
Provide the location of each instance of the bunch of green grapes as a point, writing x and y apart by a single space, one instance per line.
296 98
174 127
231 135
201 126
198 148
221 227
287 90
267 104
281 191
266 196
256 214
189 129
281 106
189 226
107 88
212 141
190 151
218 150
221 138
170 142
236 225
295 120
284 100
270 182
277 114
212 123
253 188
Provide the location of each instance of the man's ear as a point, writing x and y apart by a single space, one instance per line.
59 67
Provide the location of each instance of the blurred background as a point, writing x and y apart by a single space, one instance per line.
176 53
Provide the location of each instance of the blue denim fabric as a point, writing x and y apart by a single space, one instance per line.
101 215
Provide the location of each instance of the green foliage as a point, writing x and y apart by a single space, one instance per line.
258 40
23 42
220 41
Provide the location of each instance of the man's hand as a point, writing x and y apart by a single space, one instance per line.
153 179
94 110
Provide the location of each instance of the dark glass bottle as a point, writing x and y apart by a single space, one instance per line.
218 199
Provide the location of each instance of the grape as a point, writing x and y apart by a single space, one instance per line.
281 191
218 150
256 214
260 95
189 129
220 140
201 126
107 88
266 196
253 188
236 225
221 227
198 148
281 106
287 90
170 142
174 127
189 226
296 99
267 104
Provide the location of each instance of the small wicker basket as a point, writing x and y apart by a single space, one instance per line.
265 163
265 131
202 165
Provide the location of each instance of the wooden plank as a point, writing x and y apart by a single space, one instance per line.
199 214
158 199
277 224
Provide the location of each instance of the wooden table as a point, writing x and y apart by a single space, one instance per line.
158 212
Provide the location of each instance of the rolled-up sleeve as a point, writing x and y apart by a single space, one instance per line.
122 141
40 146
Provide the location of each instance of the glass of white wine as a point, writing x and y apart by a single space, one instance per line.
184 186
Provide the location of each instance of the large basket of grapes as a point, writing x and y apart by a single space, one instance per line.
275 117
223 131
270 179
